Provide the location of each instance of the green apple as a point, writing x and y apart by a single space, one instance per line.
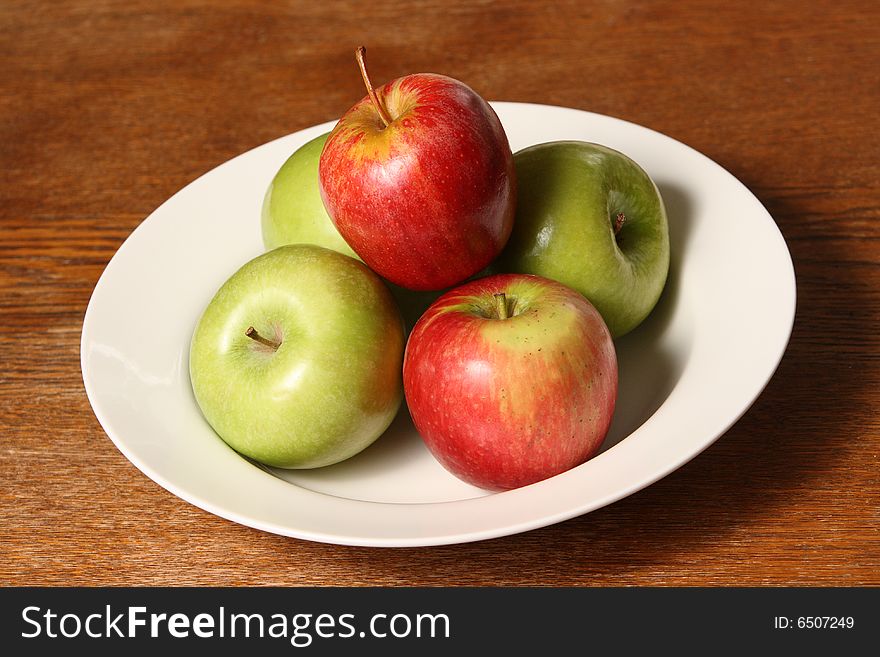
296 361
591 218
293 212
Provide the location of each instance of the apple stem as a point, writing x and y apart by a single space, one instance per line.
618 222
253 335
360 55
501 305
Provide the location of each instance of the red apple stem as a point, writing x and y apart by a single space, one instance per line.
361 56
618 222
253 335
501 305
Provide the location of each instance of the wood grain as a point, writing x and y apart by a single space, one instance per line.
109 108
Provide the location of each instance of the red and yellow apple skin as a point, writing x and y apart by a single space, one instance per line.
503 403
428 200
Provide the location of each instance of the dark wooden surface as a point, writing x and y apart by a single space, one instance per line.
109 108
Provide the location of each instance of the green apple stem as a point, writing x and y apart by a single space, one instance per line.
618 222
360 55
501 305
253 335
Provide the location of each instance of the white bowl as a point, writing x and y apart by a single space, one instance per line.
686 375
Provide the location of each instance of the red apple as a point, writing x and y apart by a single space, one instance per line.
418 178
511 379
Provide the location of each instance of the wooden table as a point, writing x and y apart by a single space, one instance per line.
108 108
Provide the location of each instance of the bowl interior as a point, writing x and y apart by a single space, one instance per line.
399 468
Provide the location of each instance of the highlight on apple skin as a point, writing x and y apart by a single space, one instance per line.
511 379
418 178
296 361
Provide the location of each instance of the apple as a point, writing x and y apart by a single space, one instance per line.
296 360
418 178
591 218
293 211
511 379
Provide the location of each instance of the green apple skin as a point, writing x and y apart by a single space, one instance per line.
293 212
570 194
333 385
